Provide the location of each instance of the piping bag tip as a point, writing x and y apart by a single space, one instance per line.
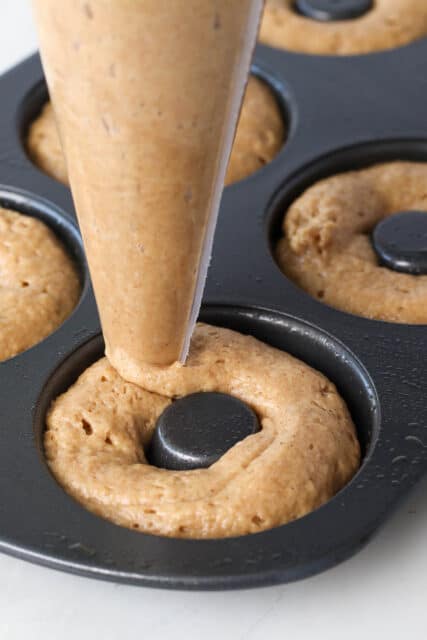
234 112
200 286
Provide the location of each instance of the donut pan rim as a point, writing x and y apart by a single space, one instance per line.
245 281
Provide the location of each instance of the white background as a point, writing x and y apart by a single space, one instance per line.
380 593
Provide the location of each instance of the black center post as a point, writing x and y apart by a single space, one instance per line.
400 242
333 10
195 431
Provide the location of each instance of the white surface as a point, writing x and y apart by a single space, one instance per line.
380 593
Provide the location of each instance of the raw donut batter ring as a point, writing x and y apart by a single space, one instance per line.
389 24
304 453
327 248
39 284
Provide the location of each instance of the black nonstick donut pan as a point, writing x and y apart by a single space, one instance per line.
342 113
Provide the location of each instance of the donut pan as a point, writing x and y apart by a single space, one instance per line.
342 113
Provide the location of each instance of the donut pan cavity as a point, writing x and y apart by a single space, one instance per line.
342 113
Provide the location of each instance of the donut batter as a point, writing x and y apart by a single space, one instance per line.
39 284
305 452
327 249
44 146
260 135
389 24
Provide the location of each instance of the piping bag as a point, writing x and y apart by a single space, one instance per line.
147 95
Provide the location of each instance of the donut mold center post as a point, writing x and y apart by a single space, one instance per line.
333 10
400 242
195 431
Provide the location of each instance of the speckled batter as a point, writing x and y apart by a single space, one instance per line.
305 452
259 137
44 146
327 248
39 285
260 134
389 24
